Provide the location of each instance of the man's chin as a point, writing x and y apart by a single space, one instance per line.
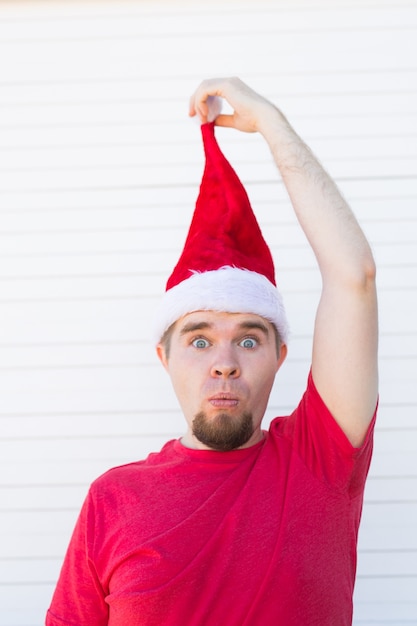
223 432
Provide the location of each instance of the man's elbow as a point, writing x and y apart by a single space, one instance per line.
362 275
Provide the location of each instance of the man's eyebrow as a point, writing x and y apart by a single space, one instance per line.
191 327
254 325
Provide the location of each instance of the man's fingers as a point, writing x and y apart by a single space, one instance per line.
227 121
206 91
242 100
199 108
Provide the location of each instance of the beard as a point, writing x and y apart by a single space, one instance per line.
223 433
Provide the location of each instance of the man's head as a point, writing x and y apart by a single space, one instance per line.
222 367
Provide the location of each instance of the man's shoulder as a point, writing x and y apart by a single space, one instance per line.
125 473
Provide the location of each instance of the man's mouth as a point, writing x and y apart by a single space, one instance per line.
223 401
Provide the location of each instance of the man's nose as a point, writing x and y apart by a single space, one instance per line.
225 365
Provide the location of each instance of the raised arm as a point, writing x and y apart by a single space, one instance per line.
344 362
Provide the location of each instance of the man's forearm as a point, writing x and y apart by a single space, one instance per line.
337 240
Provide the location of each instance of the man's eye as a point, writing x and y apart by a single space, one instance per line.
248 343
200 343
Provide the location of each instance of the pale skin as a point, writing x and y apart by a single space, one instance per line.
344 359
222 363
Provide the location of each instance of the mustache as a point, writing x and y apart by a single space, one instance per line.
224 388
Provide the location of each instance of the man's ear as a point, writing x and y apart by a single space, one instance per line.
161 353
283 350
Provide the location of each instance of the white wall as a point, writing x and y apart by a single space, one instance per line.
100 167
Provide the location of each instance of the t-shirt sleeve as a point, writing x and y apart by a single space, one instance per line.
79 599
322 445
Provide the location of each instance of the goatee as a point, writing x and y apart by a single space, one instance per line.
223 432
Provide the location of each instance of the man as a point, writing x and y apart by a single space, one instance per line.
232 525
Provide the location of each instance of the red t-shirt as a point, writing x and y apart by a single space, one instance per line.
264 536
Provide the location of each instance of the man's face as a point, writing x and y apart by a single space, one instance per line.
222 367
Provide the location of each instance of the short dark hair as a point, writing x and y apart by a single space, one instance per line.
166 339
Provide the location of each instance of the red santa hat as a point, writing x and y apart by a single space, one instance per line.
226 264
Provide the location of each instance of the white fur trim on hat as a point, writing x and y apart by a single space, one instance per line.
227 289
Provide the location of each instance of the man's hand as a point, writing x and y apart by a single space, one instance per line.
249 108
